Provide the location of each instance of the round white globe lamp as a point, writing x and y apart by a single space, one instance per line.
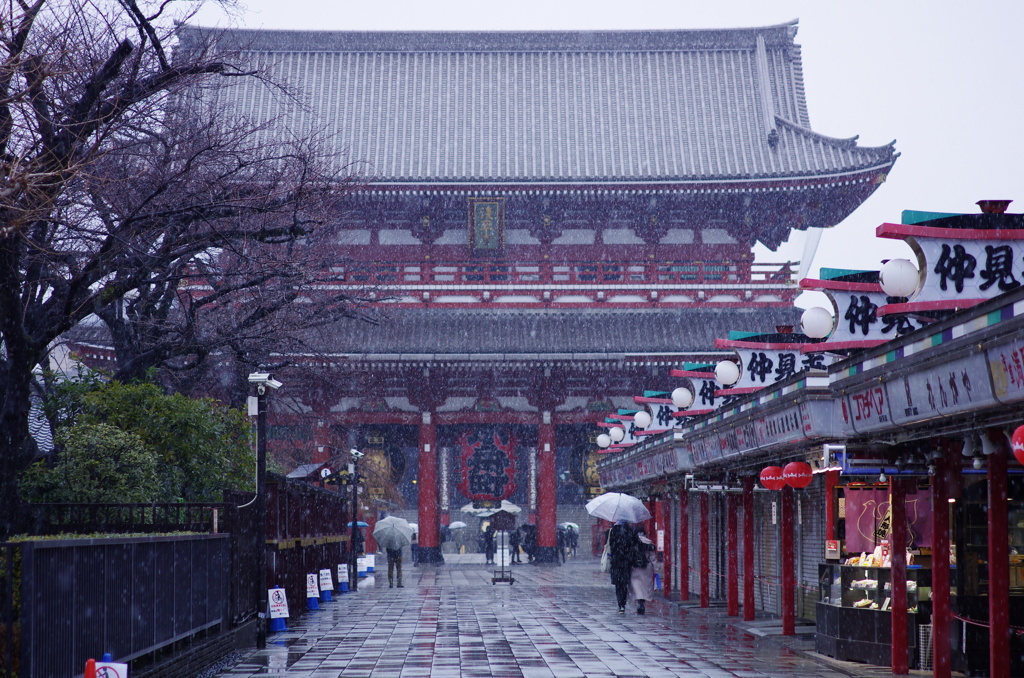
816 322
617 433
727 372
642 419
604 440
682 398
899 277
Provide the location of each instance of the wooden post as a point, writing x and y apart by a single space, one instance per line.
788 574
748 548
684 545
705 557
731 554
998 559
898 575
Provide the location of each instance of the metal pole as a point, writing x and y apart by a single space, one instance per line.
261 512
352 557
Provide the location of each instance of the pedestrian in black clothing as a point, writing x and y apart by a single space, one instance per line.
574 540
489 544
561 542
513 542
394 563
623 551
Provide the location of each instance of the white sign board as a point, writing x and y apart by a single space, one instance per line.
342 573
278 601
111 670
326 583
312 586
661 540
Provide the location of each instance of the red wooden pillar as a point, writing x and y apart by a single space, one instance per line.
732 557
788 574
426 482
998 559
898 575
684 545
748 548
666 572
941 618
547 508
705 557
831 482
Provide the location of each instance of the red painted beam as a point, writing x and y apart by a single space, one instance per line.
547 511
429 533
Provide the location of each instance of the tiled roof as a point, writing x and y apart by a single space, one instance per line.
537 332
548 107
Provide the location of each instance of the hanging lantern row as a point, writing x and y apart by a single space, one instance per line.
796 474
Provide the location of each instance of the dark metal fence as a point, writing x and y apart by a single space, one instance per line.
63 601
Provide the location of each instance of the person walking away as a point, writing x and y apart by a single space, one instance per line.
513 543
394 564
561 542
641 578
574 540
489 544
622 553
414 549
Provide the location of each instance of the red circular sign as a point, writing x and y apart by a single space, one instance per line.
1017 443
771 477
798 474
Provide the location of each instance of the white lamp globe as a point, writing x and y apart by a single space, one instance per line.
616 433
642 419
603 440
682 398
727 372
816 322
899 278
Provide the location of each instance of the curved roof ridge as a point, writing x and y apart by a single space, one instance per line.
844 142
641 40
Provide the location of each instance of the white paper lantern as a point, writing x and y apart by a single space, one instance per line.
727 372
816 322
899 278
642 419
603 440
682 398
617 433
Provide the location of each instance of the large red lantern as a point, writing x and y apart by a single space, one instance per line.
798 474
1017 444
771 478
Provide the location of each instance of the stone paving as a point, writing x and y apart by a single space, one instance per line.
553 622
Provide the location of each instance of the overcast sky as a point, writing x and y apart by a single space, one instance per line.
943 78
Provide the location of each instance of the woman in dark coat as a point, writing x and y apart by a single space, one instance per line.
623 547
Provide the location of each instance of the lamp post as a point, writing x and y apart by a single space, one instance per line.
262 381
353 480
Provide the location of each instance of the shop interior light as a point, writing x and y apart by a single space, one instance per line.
978 463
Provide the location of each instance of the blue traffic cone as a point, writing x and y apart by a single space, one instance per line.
278 624
325 596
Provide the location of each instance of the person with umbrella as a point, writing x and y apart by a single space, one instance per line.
513 542
394 534
624 545
641 578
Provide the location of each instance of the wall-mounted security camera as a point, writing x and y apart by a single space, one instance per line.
264 379
356 454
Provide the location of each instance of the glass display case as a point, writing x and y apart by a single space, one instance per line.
854 616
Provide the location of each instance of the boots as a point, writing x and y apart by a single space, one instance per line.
640 609
391 584
400 583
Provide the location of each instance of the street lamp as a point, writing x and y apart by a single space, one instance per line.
262 381
353 480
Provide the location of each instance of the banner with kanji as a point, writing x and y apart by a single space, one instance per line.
487 464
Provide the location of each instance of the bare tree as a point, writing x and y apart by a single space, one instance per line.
124 195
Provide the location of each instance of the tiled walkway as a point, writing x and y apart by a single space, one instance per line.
553 622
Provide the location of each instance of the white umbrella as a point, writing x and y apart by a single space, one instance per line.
615 506
457 525
415 528
393 532
572 525
488 512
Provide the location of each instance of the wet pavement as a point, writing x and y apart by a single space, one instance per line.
553 622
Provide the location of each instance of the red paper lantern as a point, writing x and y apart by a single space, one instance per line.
771 478
798 474
1017 444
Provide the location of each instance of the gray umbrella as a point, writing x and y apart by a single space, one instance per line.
392 532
